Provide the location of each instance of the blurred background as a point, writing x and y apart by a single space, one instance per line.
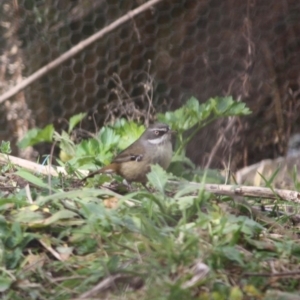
177 49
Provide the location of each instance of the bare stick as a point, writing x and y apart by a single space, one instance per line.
75 50
32 166
252 191
102 285
247 191
220 139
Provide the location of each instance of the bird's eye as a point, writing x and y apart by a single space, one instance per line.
156 132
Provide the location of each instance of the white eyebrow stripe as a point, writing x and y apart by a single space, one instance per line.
159 129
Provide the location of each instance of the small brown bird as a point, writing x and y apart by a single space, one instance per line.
153 147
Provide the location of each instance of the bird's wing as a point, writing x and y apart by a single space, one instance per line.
129 154
124 157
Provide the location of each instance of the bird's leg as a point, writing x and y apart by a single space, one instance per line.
145 186
128 185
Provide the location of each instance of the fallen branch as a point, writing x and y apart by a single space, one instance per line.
217 189
31 166
252 191
248 191
102 285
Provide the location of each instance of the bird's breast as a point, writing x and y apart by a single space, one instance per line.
162 155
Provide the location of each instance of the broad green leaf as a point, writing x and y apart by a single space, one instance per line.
108 139
75 120
158 177
226 106
185 117
88 147
222 104
35 136
250 226
192 112
128 132
232 254
105 158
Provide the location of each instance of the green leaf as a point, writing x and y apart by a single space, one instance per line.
128 131
65 143
232 254
13 258
193 112
26 215
226 106
186 202
158 177
222 104
236 293
35 136
74 120
186 116
32 178
108 138
16 233
183 159
88 147
60 215
5 283
5 147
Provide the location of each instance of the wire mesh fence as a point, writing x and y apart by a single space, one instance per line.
156 60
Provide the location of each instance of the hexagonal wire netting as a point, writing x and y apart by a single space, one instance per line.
180 48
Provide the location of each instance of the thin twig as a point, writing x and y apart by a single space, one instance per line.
50 165
102 285
217 145
280 274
